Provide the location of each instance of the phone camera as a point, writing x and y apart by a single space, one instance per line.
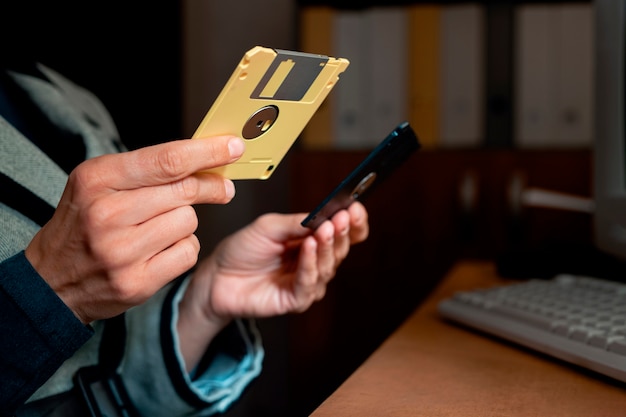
363 185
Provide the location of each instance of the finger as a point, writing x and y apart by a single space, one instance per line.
305 288
129 207
321 292
282 227
342 241
163 163
161 232
359 223
136 245
326 258
172 262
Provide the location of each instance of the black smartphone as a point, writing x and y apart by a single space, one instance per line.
388 155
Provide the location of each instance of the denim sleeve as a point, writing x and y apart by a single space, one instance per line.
38 332
154 370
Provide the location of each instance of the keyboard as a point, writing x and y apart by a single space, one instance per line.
581 320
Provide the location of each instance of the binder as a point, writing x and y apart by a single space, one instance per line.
385 71
554 76
316 34
423 85
348 120
499 75
462 66
576 96
373 94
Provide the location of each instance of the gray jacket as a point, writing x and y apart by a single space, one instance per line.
152 368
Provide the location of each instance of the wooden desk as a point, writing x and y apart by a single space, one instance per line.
430 367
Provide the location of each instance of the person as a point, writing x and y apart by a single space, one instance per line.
99 266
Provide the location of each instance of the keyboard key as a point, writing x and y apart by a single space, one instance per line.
599 340
582 333
524 316
618 345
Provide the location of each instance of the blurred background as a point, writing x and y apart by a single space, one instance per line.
497 109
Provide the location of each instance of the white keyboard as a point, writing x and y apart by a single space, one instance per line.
581 320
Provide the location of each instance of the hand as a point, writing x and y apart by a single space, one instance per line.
125 224
273 266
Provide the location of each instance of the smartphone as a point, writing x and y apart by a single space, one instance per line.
268 100
378 165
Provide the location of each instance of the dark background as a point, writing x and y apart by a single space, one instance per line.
129 54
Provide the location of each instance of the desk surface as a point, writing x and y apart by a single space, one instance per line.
430 367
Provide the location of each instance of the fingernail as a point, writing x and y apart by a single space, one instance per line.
235 147
229 188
